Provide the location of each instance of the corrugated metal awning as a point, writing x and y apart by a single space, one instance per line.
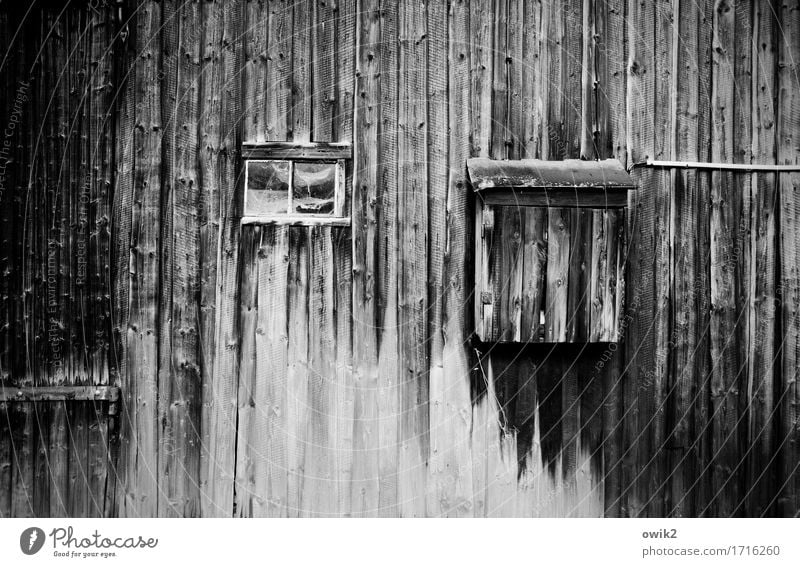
486 174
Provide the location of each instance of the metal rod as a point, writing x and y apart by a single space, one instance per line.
723 166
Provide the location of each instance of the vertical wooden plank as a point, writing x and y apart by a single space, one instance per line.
77 424
6 452
167 477
178 373
481 74
98 476
664 93
101 156
279 78
7 214
578 286
344 388
297 377
761 469
510 275
682 464
534 260
319 492
345 63
437 94
209 160
412 234
743 51
140 490
255 78
725 205
640 403
74 168
21 424
591 61
788 132
559 231
606 246
302 88
390 372
220 385
323 69
527 78
121 207
58 459
599 272
566 368
455 455
570 87
365 480
249 500
702 410
485 264
501 116
270 392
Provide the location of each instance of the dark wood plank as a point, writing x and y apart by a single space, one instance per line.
510 275
559 231
534 260
761 467
788 128
558 198
579 285
296 150
725 203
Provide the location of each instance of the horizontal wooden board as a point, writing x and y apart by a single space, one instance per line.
294 150
594 198
59 393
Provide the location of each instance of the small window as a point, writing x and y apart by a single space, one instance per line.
295 184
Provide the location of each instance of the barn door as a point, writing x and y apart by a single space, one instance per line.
295 349
58 447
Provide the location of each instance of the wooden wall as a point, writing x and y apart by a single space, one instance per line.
332 371
57 99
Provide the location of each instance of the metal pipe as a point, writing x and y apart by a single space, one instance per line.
721 166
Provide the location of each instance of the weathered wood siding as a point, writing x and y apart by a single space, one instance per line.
58 100
276 371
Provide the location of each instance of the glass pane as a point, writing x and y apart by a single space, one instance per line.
314 188
267 188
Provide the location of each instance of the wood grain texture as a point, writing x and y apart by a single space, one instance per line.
725 204
788 120
139 492
330 371
412 235
365 475
761 467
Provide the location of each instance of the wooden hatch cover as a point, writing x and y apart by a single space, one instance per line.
566 183
549 249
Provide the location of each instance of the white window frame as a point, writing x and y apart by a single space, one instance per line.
320 152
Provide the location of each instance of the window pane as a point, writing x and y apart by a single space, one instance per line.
314 188
267 188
